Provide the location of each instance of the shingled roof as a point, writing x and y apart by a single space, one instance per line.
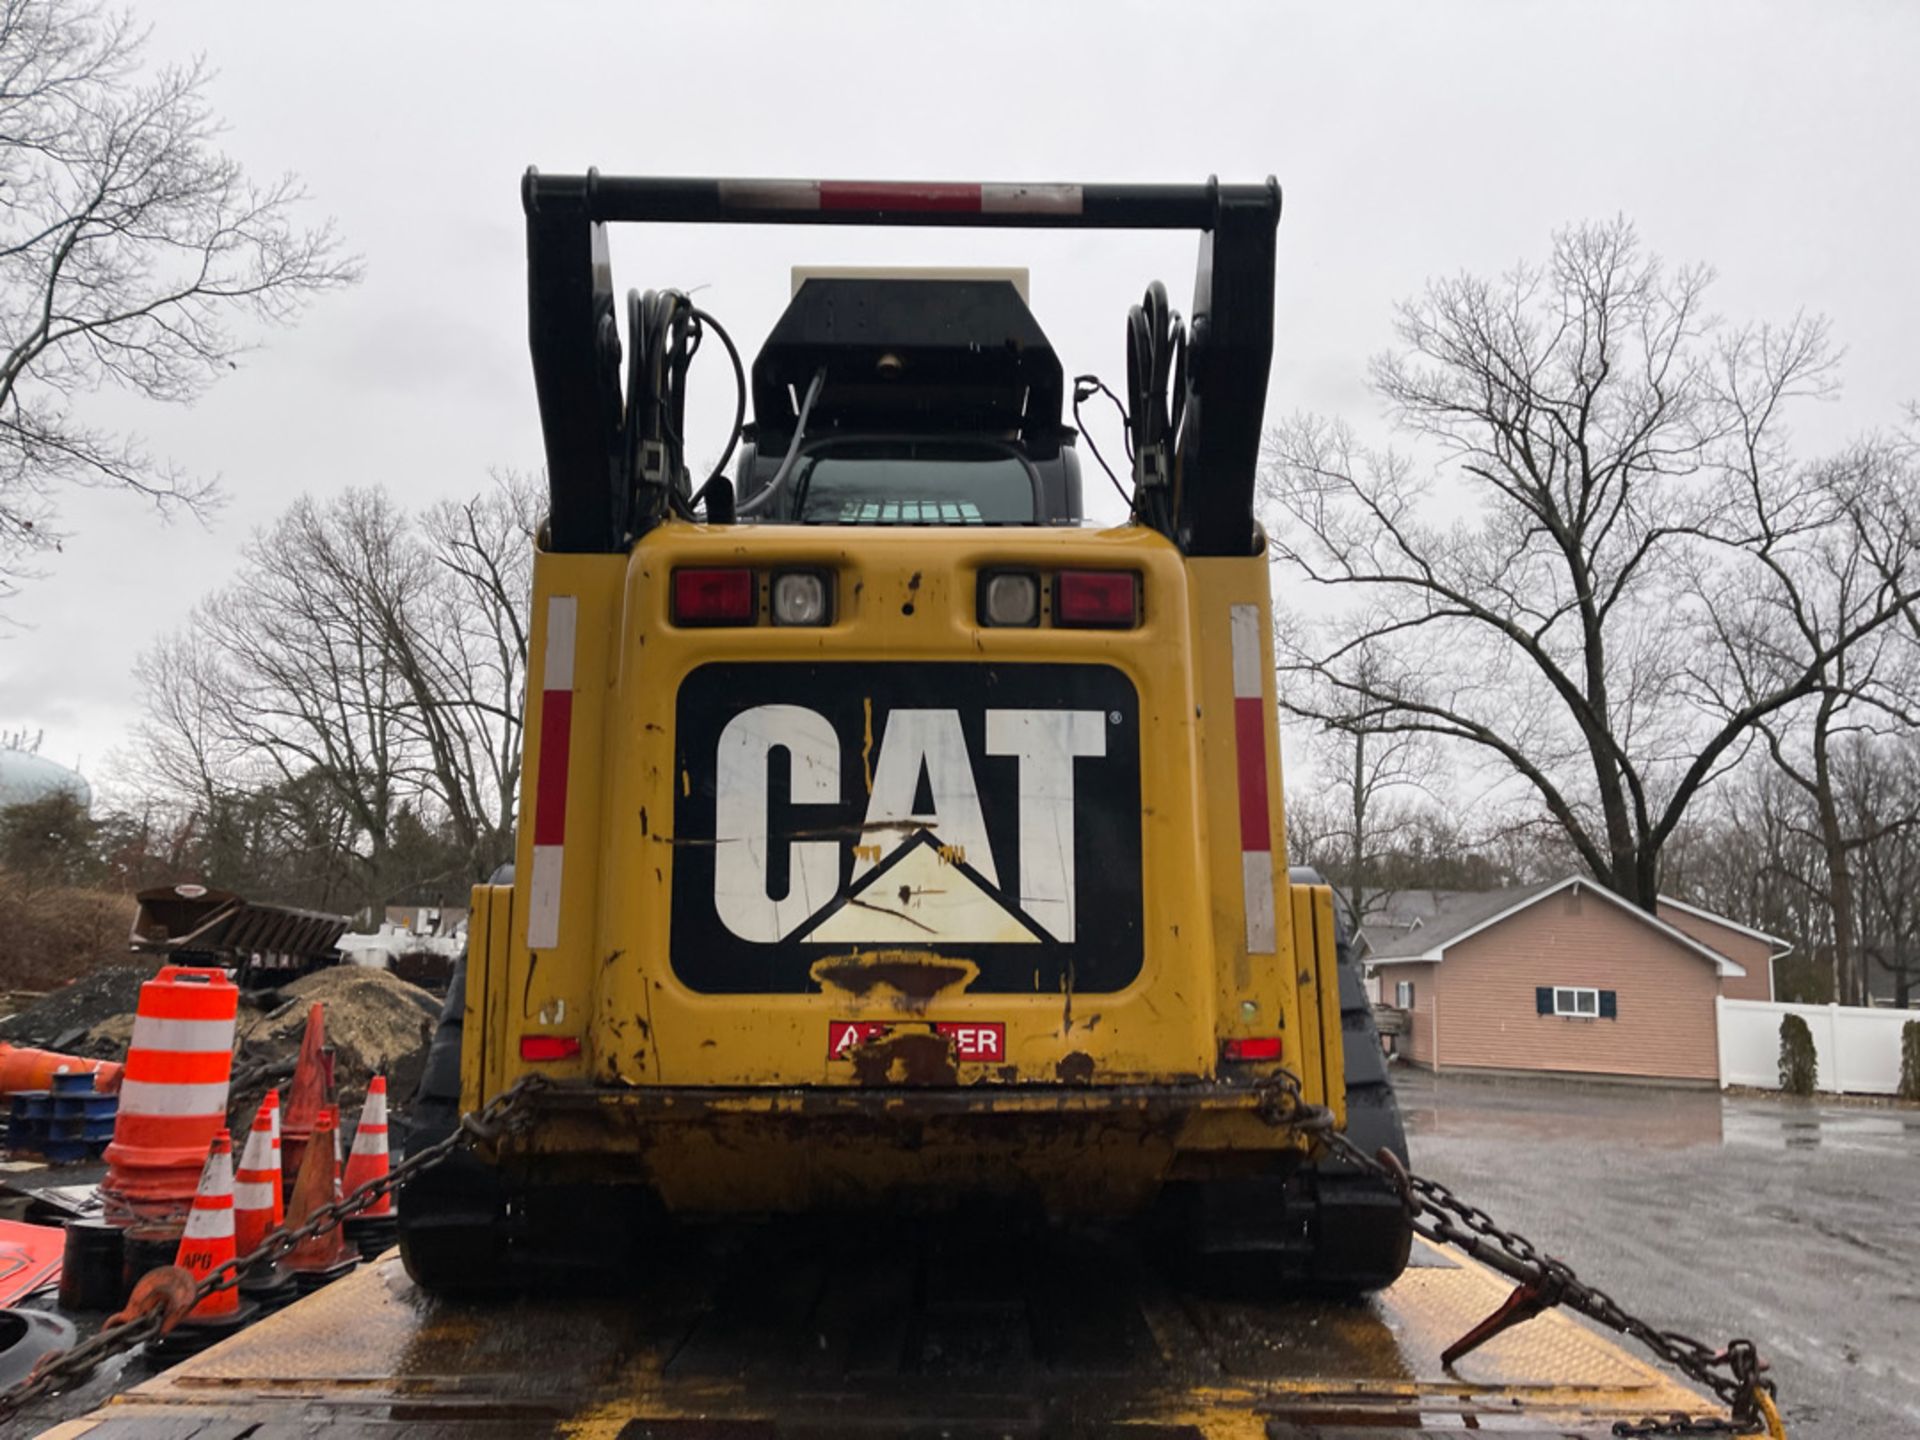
1419 926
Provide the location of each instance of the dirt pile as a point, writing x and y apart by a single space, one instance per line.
377 1024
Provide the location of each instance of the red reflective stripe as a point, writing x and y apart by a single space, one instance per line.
180 1067
896 195
1251 742
556 737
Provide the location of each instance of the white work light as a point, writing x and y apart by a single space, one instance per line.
1010 598
800 598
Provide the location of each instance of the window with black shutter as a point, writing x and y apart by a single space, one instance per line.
1575 1002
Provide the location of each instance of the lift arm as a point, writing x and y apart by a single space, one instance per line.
576 346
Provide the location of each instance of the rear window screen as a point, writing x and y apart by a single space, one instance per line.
888 483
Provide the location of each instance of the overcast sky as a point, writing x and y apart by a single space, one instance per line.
1781 143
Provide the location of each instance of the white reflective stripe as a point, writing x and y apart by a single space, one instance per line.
374 1112
206 1224
253 1195
216 1178
366 1142
146 1097
1256 878
259 1152
563 612
543 898
182 1037
1030 199
1244 621
770 194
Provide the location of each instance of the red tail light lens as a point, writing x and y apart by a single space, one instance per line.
1097 599
1253 1047
713 597
548 1047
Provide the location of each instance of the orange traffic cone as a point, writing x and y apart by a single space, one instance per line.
206 1245
327 1256
208 1241
305 1096
258 1207
257 1203
374 1228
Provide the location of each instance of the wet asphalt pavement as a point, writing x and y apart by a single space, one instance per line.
1794 1223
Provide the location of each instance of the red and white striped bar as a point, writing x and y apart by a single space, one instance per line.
550 795
693 200
889 196
1250 747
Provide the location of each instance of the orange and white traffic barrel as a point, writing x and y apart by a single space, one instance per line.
173 1095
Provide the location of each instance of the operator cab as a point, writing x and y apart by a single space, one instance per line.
908 398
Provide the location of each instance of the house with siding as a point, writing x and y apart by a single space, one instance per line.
1563 977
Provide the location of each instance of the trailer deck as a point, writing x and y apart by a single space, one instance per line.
897 1331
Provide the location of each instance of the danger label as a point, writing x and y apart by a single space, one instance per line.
971 1040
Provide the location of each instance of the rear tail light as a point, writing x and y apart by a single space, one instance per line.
713 597
1010 597
548 1047
1252 1047
1096 599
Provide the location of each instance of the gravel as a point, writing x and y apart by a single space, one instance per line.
62 1017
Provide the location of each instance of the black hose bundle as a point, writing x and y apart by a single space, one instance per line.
1157 396
1157 399
666 329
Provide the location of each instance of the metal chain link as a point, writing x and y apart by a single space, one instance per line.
124 1331
1734 1373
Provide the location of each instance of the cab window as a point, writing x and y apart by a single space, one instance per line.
906 482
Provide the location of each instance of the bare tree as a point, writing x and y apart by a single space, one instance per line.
464 656
1378 784
1883 798
1832 579
1587 438
359 686
307 680
129 244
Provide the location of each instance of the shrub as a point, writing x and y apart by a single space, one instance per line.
52 933
1910 1060
1799 1065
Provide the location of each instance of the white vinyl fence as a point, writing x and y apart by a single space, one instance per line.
1858 1048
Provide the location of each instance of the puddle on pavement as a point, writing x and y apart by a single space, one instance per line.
1770 1125
1546 1110
1645 1115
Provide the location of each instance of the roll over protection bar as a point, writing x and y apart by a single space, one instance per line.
576 346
